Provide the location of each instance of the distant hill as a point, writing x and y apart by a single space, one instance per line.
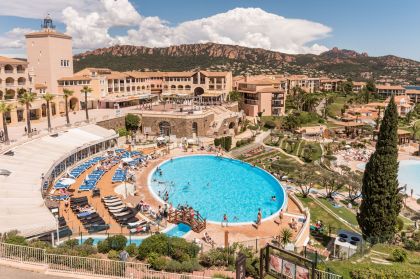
241 60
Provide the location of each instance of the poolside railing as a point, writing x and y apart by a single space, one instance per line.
93 267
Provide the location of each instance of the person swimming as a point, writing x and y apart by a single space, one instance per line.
273 198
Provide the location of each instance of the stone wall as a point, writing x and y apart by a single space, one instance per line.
113 123
181 126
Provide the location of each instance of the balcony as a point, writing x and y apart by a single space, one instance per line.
250 102
8 71
22 83
20 71
10 84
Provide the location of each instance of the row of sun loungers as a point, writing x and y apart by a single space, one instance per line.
93 178
124 215
77 171
119 176
87 215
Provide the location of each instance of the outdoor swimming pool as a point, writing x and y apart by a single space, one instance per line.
178 231
216 185
409 173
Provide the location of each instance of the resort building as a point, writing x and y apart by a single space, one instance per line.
330 85
358 86
113 89
14 75
263 94
387 90
414 93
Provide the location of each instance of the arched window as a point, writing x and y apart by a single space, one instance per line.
180 87
187 87
8 69
10 81
20 69
173 87
21 81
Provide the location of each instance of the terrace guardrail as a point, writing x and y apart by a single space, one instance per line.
93 267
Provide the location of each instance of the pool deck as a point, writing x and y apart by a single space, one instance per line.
238 233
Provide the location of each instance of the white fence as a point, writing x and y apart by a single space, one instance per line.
319 274
84 265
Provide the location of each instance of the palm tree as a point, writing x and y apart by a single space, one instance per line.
48 97
4 108
86 90
26 99
285 237
67 93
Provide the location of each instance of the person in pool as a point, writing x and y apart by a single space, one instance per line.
273 198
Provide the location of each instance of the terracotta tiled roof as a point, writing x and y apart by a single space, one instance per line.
75 78
7 60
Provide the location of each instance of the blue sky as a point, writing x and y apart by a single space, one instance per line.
373 26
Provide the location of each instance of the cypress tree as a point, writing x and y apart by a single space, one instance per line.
381 202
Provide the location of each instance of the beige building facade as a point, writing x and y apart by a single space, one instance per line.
264 95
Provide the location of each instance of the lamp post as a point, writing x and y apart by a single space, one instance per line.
125 166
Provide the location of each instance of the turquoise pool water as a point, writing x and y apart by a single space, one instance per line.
215 186
409 173
177 231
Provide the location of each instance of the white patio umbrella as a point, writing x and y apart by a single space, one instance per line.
67 181
127 160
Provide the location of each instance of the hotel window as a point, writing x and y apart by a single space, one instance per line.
65 63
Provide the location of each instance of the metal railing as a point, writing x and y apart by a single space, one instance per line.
84 265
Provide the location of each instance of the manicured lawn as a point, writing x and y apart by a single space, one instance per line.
343 212
334 109
408 269
318 213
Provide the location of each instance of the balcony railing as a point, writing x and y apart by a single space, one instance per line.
10 84
20 71
8 71
21 83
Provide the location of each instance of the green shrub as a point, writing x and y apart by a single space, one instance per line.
368 272
88 241
176 248
185 266
113 255
411 245
132 121
103 246
156 261
182 250
215 257
131 249
157 243
270 124
39 244
399 255
117 242
71 243
400 224
16 239
418 201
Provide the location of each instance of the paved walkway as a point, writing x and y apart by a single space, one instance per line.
7 272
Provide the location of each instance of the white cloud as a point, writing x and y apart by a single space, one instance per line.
14 38
251 27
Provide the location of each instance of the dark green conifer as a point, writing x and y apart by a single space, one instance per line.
381 202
